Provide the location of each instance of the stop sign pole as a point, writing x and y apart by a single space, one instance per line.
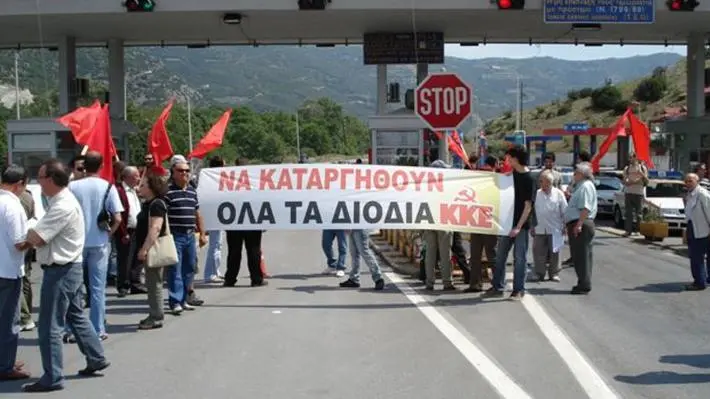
443 101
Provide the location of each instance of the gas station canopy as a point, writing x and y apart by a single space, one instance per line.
224 22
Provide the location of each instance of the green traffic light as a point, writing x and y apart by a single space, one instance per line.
148 5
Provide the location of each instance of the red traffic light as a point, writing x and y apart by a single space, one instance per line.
511 4
682 5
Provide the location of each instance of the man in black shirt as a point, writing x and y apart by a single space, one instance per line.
518 237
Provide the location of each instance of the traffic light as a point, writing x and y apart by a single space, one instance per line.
682 5
511 4
139 5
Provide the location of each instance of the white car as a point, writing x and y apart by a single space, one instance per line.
607 187
666 195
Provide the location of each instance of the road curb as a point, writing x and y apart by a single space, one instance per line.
618 233
391 258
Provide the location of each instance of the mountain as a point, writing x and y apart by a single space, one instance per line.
660 94
281 78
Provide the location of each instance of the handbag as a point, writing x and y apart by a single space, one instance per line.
105 219
163 252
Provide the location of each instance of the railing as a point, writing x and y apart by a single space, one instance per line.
406 242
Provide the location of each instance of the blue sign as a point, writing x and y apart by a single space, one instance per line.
576 127
665 174
599 11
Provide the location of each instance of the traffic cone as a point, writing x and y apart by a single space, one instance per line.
262 265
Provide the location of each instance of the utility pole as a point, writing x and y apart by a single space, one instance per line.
298 137
17 84
189 120
519 104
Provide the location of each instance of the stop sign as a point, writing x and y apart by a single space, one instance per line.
443 101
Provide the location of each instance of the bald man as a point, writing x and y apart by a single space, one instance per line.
697 213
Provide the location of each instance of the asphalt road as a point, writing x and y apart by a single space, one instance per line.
636 336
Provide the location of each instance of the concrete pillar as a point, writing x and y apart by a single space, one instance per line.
696 75
67 74
422 73
116 79
381 89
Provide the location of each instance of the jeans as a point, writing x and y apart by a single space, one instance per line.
697 248
520 252
26 300
96 260
360 247
113 260
214 254
10 292
327 244
180 275
60 302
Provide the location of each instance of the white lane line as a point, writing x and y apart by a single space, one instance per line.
499 379
581 368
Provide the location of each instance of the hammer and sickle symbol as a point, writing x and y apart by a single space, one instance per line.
468 194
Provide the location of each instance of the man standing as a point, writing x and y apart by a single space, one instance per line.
549 164
26 322
360 247
96 196
518 237
438 245
184 218
14 224
129 272
334 266
59 239
635 179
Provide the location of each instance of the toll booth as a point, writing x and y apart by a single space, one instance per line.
397 139
32 141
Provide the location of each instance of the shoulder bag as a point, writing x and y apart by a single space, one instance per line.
163 252
105 219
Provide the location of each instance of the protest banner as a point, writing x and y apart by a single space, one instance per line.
346 197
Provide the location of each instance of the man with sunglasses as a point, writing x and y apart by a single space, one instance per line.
184 220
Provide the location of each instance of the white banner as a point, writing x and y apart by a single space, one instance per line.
345 197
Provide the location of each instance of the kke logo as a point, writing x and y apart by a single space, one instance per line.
466 211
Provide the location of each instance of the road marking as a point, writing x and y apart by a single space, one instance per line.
581 368
499 379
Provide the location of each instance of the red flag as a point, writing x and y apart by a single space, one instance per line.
158 141
506 167
82 122
213 138
619 130
642 140
454 145
101 141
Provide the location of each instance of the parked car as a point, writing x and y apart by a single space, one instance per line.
607 187
664 194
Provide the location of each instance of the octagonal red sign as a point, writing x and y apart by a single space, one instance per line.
443 101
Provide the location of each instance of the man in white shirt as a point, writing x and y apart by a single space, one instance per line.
14 226
129 271
549 225
59 239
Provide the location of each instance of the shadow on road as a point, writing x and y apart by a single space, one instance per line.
699 361
671 377
663 288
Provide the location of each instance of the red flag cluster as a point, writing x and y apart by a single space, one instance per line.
640 134
91 127
455 146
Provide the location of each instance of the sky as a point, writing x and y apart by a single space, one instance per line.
565 52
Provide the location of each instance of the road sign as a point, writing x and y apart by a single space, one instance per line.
599 12
576 127
443 101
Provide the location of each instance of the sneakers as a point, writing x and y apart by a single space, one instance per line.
340 273
349 283
330 271
29 326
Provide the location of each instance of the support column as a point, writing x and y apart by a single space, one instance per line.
422 73
696 75
381 89
67 74
116 79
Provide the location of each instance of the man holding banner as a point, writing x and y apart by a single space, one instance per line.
438 243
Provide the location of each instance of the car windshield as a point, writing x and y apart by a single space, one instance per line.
609 185
657 190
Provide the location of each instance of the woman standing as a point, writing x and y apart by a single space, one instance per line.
150 225
579 218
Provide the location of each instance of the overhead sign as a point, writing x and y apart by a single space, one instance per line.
576 127
403 48
599 11
443 101
351 197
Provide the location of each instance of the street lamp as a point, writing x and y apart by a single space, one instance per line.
518 97
125 89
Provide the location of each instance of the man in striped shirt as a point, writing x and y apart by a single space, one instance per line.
184 220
